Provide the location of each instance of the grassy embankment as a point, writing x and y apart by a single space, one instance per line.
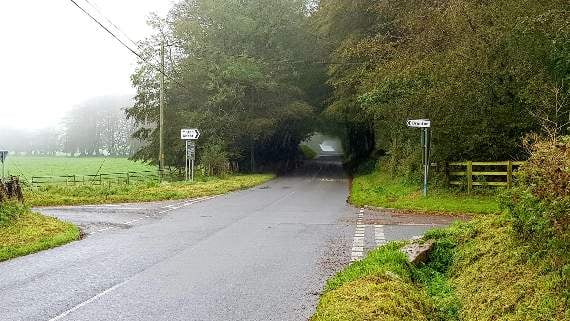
478 270
23 232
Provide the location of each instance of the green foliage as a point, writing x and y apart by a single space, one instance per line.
486 73
539 206
31 232
215 160
239 77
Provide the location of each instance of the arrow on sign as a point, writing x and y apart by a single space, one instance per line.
419 123
190 134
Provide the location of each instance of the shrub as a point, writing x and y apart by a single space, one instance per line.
539 206
215 160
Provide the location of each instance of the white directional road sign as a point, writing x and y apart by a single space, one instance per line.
190 134
419 123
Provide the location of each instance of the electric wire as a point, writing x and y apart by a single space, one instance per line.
158 69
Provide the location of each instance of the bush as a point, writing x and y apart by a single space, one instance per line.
539 206
215 160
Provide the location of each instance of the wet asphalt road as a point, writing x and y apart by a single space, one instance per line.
260 254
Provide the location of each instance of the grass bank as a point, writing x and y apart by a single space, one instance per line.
23 232
379 287
478 271
54 195
379 189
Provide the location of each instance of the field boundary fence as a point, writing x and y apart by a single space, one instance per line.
470 174
125 178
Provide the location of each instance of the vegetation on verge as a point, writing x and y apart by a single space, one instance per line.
377 288
23 232
511 266
52 195
380 189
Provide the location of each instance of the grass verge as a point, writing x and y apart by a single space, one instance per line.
27 232
379 189
477 271
56 195
379 287
496 276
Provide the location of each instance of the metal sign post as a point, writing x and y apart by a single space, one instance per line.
190 136
3 156
425 125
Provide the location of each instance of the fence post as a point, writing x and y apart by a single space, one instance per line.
128 178
510 174
469 176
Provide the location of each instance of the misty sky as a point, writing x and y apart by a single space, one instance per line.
53 56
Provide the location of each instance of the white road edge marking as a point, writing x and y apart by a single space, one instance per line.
357 251
84 303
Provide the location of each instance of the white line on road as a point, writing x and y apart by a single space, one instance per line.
84 303
358 241
379 237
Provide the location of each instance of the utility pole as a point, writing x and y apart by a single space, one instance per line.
161 121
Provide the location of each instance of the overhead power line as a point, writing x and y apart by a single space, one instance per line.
99 11
140 56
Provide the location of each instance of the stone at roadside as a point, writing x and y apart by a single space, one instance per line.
418 251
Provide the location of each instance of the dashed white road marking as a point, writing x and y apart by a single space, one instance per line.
357 251
84 303
379 237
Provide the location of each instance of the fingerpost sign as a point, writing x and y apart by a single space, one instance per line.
190 136
425 125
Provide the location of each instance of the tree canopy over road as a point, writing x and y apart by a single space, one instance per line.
254 77
238 75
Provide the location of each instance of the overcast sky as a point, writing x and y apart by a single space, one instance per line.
54 57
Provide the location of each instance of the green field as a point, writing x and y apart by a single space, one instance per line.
28 166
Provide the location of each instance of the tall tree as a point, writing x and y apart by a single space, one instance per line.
237 69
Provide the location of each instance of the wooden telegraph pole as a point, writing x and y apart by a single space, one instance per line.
161 158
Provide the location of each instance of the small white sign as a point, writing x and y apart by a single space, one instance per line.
190 134
419 123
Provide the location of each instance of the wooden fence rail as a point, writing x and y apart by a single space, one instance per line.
482 173
98 179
